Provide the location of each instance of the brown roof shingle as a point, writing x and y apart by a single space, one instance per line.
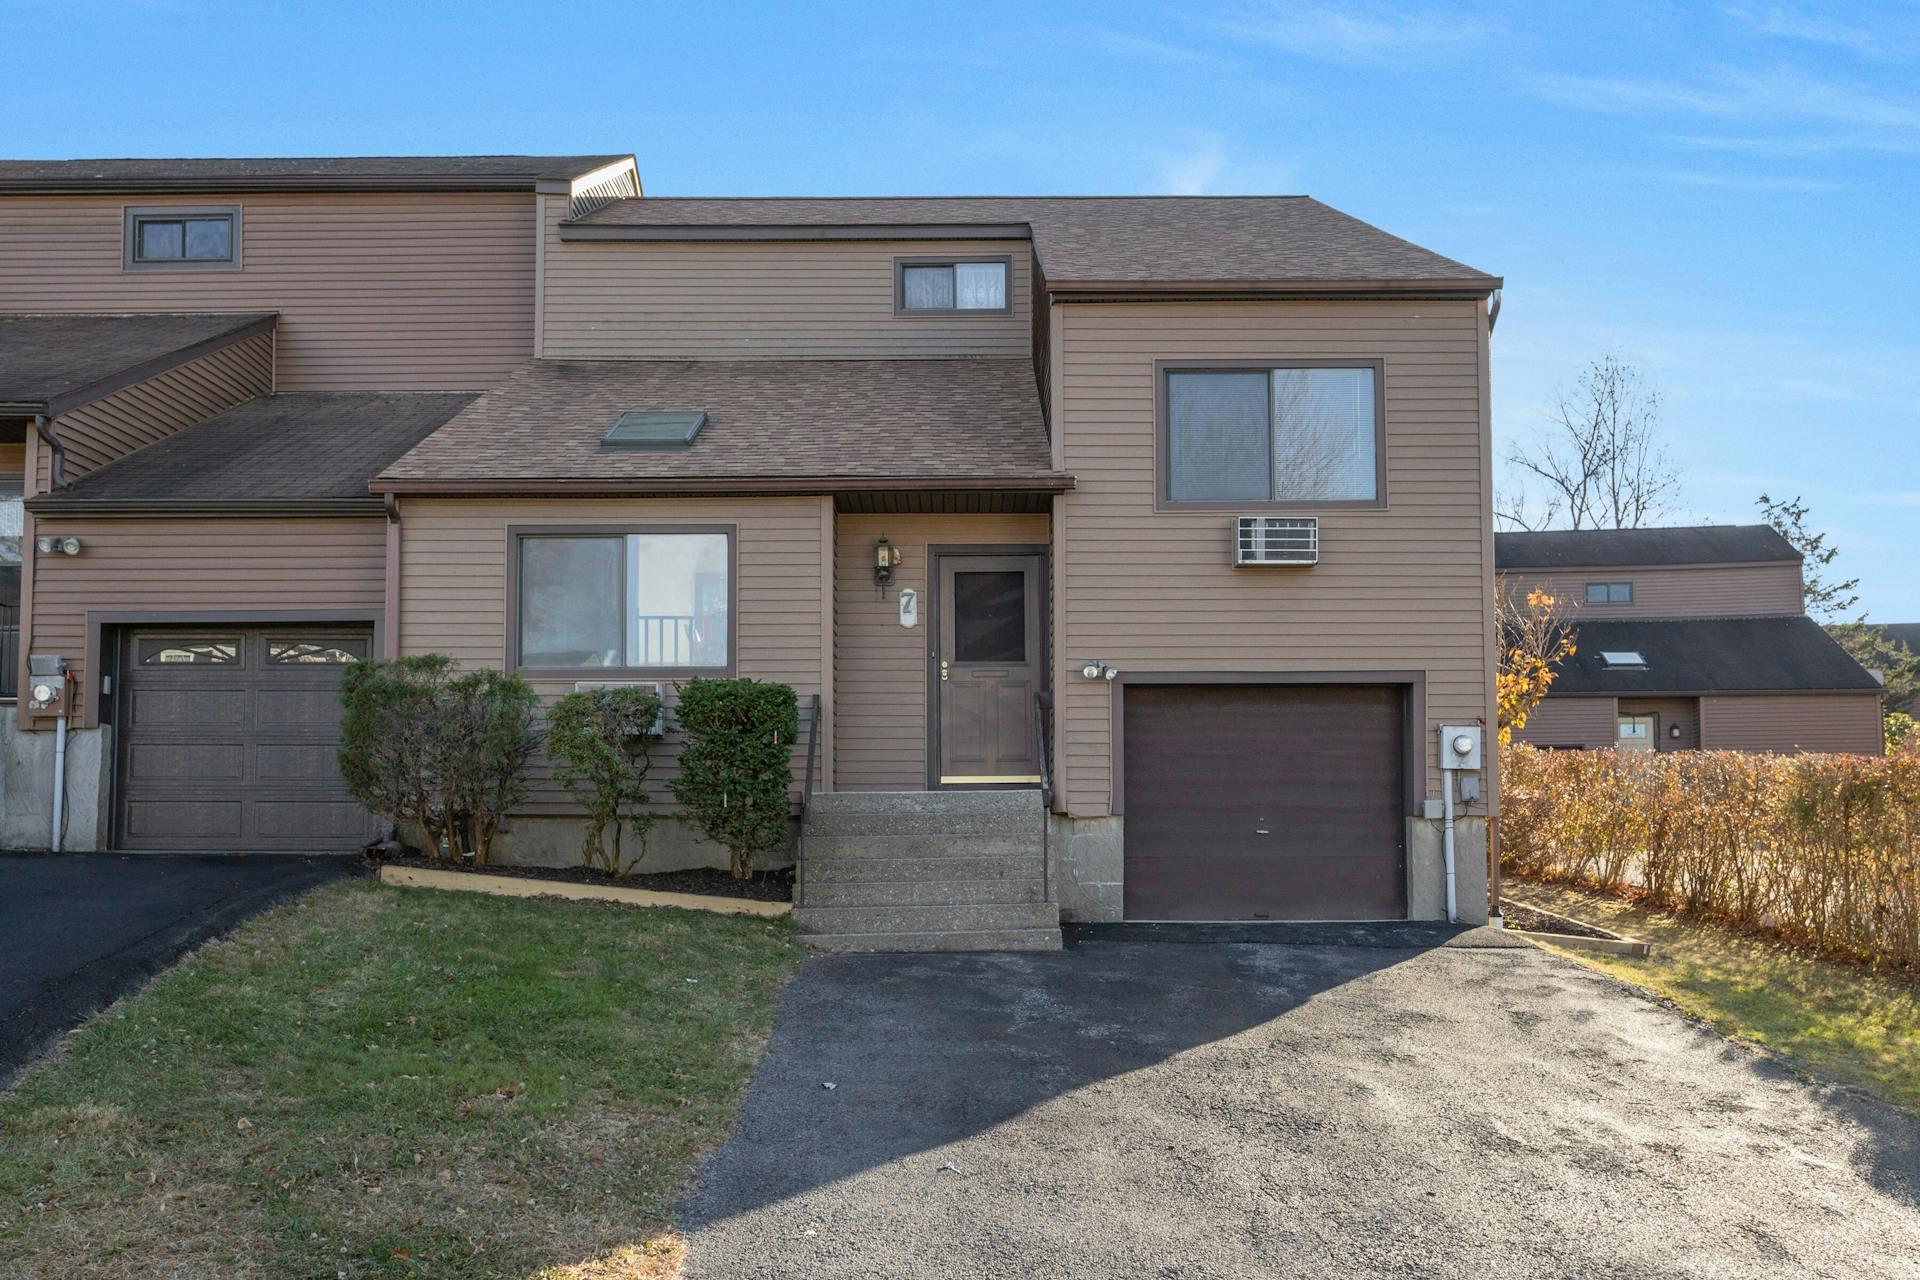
1098 240
772 426
53 363
296 173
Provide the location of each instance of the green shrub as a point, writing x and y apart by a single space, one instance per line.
448 752
1823 850
601 742
737 763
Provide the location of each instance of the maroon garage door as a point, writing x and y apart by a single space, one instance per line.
227 741
1265 802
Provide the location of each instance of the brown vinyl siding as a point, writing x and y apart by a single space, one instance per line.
179 566
1684 712
640 300
1841 722
1571 722
453 592
1403 588
880 685
136 416
1679 591
381 291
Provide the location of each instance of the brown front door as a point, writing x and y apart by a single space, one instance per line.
228 739
1264 802
989 660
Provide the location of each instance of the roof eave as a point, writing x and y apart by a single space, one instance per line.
1233 290
66 505
799 231
726 486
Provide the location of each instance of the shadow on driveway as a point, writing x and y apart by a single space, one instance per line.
82 929
1223 1109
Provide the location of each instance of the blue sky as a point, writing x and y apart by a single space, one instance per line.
1723 195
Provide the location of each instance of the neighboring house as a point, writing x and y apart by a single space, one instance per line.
1059 423
1690 638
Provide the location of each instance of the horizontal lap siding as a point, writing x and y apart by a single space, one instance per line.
1837 722
114 426
880 667
1401 589
176 566
1570 722
402 291
626 300
453 591
1690 591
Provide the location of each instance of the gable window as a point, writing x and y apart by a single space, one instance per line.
1273 434
654 599
1609 593
205 237
933 286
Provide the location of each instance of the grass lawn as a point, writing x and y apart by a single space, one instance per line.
1831 1019
375 1081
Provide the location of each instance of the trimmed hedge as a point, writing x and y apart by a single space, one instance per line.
736 764
1821 850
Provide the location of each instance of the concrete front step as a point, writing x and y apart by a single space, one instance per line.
940 940
882 867
821 848
944 918
932 893
1023 824
927 803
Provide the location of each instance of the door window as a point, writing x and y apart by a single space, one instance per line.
990 616
1636 733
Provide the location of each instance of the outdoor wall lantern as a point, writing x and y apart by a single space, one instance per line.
1673 731
48 544
886 557
1098 670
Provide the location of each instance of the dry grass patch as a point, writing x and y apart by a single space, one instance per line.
378 1082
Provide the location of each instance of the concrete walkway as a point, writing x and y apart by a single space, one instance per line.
1228 1110
78 930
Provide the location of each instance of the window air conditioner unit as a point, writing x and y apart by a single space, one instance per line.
659 727
1281 540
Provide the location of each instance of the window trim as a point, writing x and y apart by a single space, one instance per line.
903 312
1590 602
133 215
1163 446
517 533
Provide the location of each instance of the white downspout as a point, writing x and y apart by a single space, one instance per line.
59 779
1446 841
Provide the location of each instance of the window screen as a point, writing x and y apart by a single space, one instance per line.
1283 435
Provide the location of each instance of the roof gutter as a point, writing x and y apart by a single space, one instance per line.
800 231
74 506
735 486
1260 290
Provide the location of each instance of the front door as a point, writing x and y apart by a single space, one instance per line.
989 661
1638 732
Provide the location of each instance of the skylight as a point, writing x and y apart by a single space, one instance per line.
640 429
1629 659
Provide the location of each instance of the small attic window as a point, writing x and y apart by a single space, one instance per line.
647 429
1623 659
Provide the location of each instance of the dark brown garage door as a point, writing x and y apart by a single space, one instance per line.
227 741
1264 802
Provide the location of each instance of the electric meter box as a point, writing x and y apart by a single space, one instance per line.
1455 736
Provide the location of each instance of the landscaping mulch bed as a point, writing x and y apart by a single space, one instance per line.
1527 920
765 886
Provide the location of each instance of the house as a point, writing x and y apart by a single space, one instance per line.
1689 638
1134 551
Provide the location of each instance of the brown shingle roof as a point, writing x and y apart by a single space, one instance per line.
315 450
812 426
52 363
1711 655
1103 240
296 173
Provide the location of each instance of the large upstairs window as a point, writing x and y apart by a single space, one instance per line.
1291 435
641 599
201 237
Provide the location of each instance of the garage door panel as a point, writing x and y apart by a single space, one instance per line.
234 755
1246 801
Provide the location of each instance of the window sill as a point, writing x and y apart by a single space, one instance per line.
624 673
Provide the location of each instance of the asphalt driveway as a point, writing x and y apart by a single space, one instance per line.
78 930
1158 1109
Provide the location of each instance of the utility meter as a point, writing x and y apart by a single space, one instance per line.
1460 746
47 683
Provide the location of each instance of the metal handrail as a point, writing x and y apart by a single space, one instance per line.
806 800
1042 728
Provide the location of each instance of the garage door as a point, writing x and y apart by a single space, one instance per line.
1264 802
227 741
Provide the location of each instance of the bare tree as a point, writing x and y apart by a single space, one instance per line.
1600 463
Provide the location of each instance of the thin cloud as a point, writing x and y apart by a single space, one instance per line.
1204 165
1856 37
1121 45
1350 36
1741 181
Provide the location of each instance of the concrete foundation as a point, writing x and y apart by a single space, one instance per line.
672 845
26 789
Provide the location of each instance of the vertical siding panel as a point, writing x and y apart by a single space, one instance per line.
376 291
1402 588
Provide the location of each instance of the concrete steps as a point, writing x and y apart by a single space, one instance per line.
926 871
